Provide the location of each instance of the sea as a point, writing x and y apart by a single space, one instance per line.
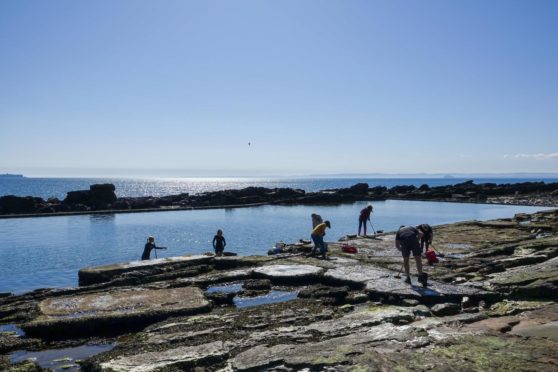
45 252
130 187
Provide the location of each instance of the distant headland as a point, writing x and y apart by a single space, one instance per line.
101 198
10 175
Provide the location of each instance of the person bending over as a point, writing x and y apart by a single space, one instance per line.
363 218
318 238
407 242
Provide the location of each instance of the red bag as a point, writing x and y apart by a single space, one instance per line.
431 256
348 248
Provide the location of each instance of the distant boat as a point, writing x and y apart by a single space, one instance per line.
9 175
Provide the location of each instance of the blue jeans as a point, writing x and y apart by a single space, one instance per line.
318 242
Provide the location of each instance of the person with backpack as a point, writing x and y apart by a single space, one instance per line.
219 243
149 246
363 218
316 219
318 238
407 241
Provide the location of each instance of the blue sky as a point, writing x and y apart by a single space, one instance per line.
180 88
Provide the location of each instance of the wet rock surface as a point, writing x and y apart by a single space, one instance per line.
490 305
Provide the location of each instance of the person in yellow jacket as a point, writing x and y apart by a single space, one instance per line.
318 238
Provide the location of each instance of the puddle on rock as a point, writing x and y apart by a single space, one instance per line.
269 298
425 291
231 288
61 359
11 329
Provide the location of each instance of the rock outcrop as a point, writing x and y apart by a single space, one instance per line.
102 198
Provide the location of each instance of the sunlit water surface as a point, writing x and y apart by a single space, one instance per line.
49 251
58 187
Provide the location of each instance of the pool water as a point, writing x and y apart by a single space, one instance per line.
49 251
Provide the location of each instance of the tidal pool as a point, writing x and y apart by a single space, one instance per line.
49 251
269 298
61 359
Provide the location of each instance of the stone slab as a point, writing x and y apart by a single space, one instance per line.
294 274
435 292
181 358
101 274
355 275
110 311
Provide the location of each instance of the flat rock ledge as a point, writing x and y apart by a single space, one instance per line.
113 311
182 358
102 274
290 274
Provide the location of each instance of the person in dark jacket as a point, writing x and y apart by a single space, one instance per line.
149 246
407 242
363 218
219 243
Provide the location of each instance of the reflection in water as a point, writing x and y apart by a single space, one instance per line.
269 298
105 217
11 329
232 288
61 359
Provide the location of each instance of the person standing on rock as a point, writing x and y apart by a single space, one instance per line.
219 243
407 242
316 220
318 238
149 246
363 218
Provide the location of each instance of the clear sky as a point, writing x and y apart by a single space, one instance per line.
181 87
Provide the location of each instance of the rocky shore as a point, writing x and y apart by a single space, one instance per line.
101 198
490 306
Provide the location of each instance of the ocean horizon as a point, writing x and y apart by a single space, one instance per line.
57 187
